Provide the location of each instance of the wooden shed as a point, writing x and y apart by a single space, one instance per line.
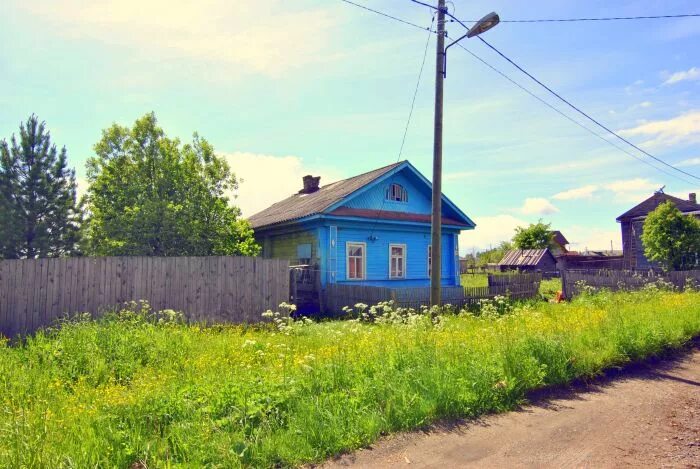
529 260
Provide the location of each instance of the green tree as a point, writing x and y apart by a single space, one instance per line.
151 195
536 236
38 207
671 238
493 256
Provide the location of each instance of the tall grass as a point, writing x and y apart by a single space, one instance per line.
132 387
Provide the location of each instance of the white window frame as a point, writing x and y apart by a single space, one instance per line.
404 258
429 266
396 190
348 245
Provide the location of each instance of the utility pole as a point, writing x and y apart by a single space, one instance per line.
436 225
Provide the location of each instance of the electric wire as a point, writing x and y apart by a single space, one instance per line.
612 18
410 112
569 118
568 103
386 15
545 102
584 114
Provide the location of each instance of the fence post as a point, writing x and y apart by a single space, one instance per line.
564 283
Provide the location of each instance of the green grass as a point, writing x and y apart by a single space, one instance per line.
549 288
128 388
475 280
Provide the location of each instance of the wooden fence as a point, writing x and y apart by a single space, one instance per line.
34 293
622 279
517 286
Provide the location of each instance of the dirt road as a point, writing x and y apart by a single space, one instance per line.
645 416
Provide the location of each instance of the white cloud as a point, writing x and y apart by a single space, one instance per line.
691 74
632 190
266 37
538 206
489 232
266 179
683 129
458 175
584 192
690 162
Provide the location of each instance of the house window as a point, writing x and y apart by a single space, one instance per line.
397 261
396 193
356 253
430 260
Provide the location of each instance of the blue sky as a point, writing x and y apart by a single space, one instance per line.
289 88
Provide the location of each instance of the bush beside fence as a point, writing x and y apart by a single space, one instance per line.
34 293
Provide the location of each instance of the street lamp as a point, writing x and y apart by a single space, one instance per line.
481 26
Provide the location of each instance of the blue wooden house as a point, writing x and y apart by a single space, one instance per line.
372 229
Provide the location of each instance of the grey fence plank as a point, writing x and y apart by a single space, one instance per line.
622 279
35 293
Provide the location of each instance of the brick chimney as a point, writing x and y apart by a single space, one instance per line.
311 184
693 197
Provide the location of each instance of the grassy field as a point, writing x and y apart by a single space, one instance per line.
136 387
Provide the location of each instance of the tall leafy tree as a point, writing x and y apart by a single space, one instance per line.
494 255
671 238
536 236
38 206
151 195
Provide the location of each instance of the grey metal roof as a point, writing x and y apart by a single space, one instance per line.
303 205
524 257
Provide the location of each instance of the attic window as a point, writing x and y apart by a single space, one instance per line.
396 193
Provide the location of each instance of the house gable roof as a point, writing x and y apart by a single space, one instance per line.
330 198
650 204
524 257
302 205
559 238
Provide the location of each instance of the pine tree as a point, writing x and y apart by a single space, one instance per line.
38 207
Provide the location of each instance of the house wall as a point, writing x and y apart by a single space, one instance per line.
285 246
377 268
374 197
632 246
627 245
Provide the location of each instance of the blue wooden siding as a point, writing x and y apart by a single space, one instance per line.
377 256
375 197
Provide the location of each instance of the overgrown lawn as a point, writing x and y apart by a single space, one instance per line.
131 388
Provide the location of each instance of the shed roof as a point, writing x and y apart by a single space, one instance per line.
524 257
559 238
302 205
649 205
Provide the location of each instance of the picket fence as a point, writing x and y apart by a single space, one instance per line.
515 286
35 293
574 280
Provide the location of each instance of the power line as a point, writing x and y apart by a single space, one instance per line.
386 15
568 103
577 109
410 113
551 91
612 18
569 118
